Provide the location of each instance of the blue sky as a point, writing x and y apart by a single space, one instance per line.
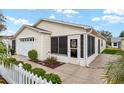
101 19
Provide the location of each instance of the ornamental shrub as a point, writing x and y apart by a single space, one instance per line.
33 55
54 78
18 62
114 72
8 61
39 72
51 60
12 51
27 66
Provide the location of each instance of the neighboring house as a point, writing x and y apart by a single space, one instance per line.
122 43
70 43
8 41
116 42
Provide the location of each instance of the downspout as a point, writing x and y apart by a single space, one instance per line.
85 59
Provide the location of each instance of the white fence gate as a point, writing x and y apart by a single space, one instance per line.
17 75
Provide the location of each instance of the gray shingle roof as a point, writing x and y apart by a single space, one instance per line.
116 39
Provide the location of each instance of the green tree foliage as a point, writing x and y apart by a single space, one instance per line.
121 34
107 35
2 22
3 51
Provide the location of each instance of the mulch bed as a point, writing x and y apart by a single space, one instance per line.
2 80
45 63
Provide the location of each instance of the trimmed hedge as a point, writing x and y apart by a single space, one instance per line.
53 77
39 72
33 55
27 66
18 62
9 61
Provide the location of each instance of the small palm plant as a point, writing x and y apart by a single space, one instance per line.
114 73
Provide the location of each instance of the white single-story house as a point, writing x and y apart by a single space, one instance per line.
116 42
68 42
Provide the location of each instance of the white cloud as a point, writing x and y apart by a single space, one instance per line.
18 21
109 19
67 12
52 16
70 11
96 19
114 11
59 10
113 19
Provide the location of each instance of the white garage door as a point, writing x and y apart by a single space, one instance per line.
25 45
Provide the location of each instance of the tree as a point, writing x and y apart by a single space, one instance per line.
121 34
107 35
2 22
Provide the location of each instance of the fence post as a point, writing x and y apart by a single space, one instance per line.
19 73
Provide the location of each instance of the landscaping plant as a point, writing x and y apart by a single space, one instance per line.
27 66
18 62
51 60
12 51
54 78
39 72
33 55
8 61
3 51
114 72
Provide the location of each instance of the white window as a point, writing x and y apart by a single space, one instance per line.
29 39
115 43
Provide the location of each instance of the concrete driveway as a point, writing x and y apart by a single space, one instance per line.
74 74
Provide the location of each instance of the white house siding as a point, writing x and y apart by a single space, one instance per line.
62 30
92 57
45 46
122 44
59 29
71 32
114 46
104 46
22 48
42 42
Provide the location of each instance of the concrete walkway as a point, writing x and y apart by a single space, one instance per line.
74 74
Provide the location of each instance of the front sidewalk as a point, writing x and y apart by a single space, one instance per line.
74 74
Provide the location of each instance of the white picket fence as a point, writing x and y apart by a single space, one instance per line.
17 75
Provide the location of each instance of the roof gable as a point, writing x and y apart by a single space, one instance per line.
32 28
87 28
62 22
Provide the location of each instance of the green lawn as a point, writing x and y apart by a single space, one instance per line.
115 51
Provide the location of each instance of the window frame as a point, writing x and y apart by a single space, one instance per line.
28 39
58 45
115 43
91 45
82 46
